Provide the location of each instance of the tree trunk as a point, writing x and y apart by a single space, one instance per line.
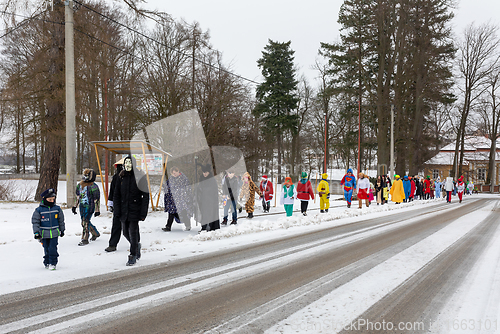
491 179
49 171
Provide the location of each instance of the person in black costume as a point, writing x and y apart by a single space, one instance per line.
130 202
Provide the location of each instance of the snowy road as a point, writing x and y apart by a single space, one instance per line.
400 268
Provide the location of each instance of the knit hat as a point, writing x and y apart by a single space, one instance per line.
303 175
396 176
288 181
206 168
48 193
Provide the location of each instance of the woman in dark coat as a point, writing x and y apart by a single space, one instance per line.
207 199
418 188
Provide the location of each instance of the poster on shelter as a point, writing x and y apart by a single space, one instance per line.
154 163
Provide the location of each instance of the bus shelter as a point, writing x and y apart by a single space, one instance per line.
137 147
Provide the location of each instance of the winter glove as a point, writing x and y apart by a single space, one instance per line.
97 213
38 236
73 209
61 234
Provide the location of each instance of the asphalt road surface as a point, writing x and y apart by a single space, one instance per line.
249 289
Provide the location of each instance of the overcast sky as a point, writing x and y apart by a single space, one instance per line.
240 30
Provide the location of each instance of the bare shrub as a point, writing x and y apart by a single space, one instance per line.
17 190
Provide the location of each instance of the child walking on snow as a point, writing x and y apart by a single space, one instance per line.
88 200
48 225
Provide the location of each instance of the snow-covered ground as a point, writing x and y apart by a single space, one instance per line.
22 255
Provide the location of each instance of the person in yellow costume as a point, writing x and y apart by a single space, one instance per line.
324 193
397 190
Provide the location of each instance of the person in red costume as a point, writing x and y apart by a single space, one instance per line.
427 187
266 188
460 188
304 192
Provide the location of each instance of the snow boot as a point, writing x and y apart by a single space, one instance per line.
131 260
139 250
83 243
95 236
326 210
233 222
165 229
110 249
224 221
305 214
250 215
322 211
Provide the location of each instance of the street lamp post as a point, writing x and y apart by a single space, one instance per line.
359 137
391 172
326 133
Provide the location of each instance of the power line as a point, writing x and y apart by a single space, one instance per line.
27 19
167 46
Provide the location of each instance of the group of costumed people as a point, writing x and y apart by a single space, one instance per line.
401 190
129 200
363 187
418 187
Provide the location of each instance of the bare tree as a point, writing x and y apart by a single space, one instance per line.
489 113
478 56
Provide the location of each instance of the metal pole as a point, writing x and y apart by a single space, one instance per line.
324 170
106 168
359 137
70 105
391 172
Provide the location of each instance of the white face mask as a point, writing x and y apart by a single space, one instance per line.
127 164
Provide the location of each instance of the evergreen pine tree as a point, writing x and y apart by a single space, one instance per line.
277 95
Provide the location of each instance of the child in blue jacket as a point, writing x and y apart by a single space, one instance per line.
48 225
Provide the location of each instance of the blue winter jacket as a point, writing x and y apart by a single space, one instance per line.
407 186
48 221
